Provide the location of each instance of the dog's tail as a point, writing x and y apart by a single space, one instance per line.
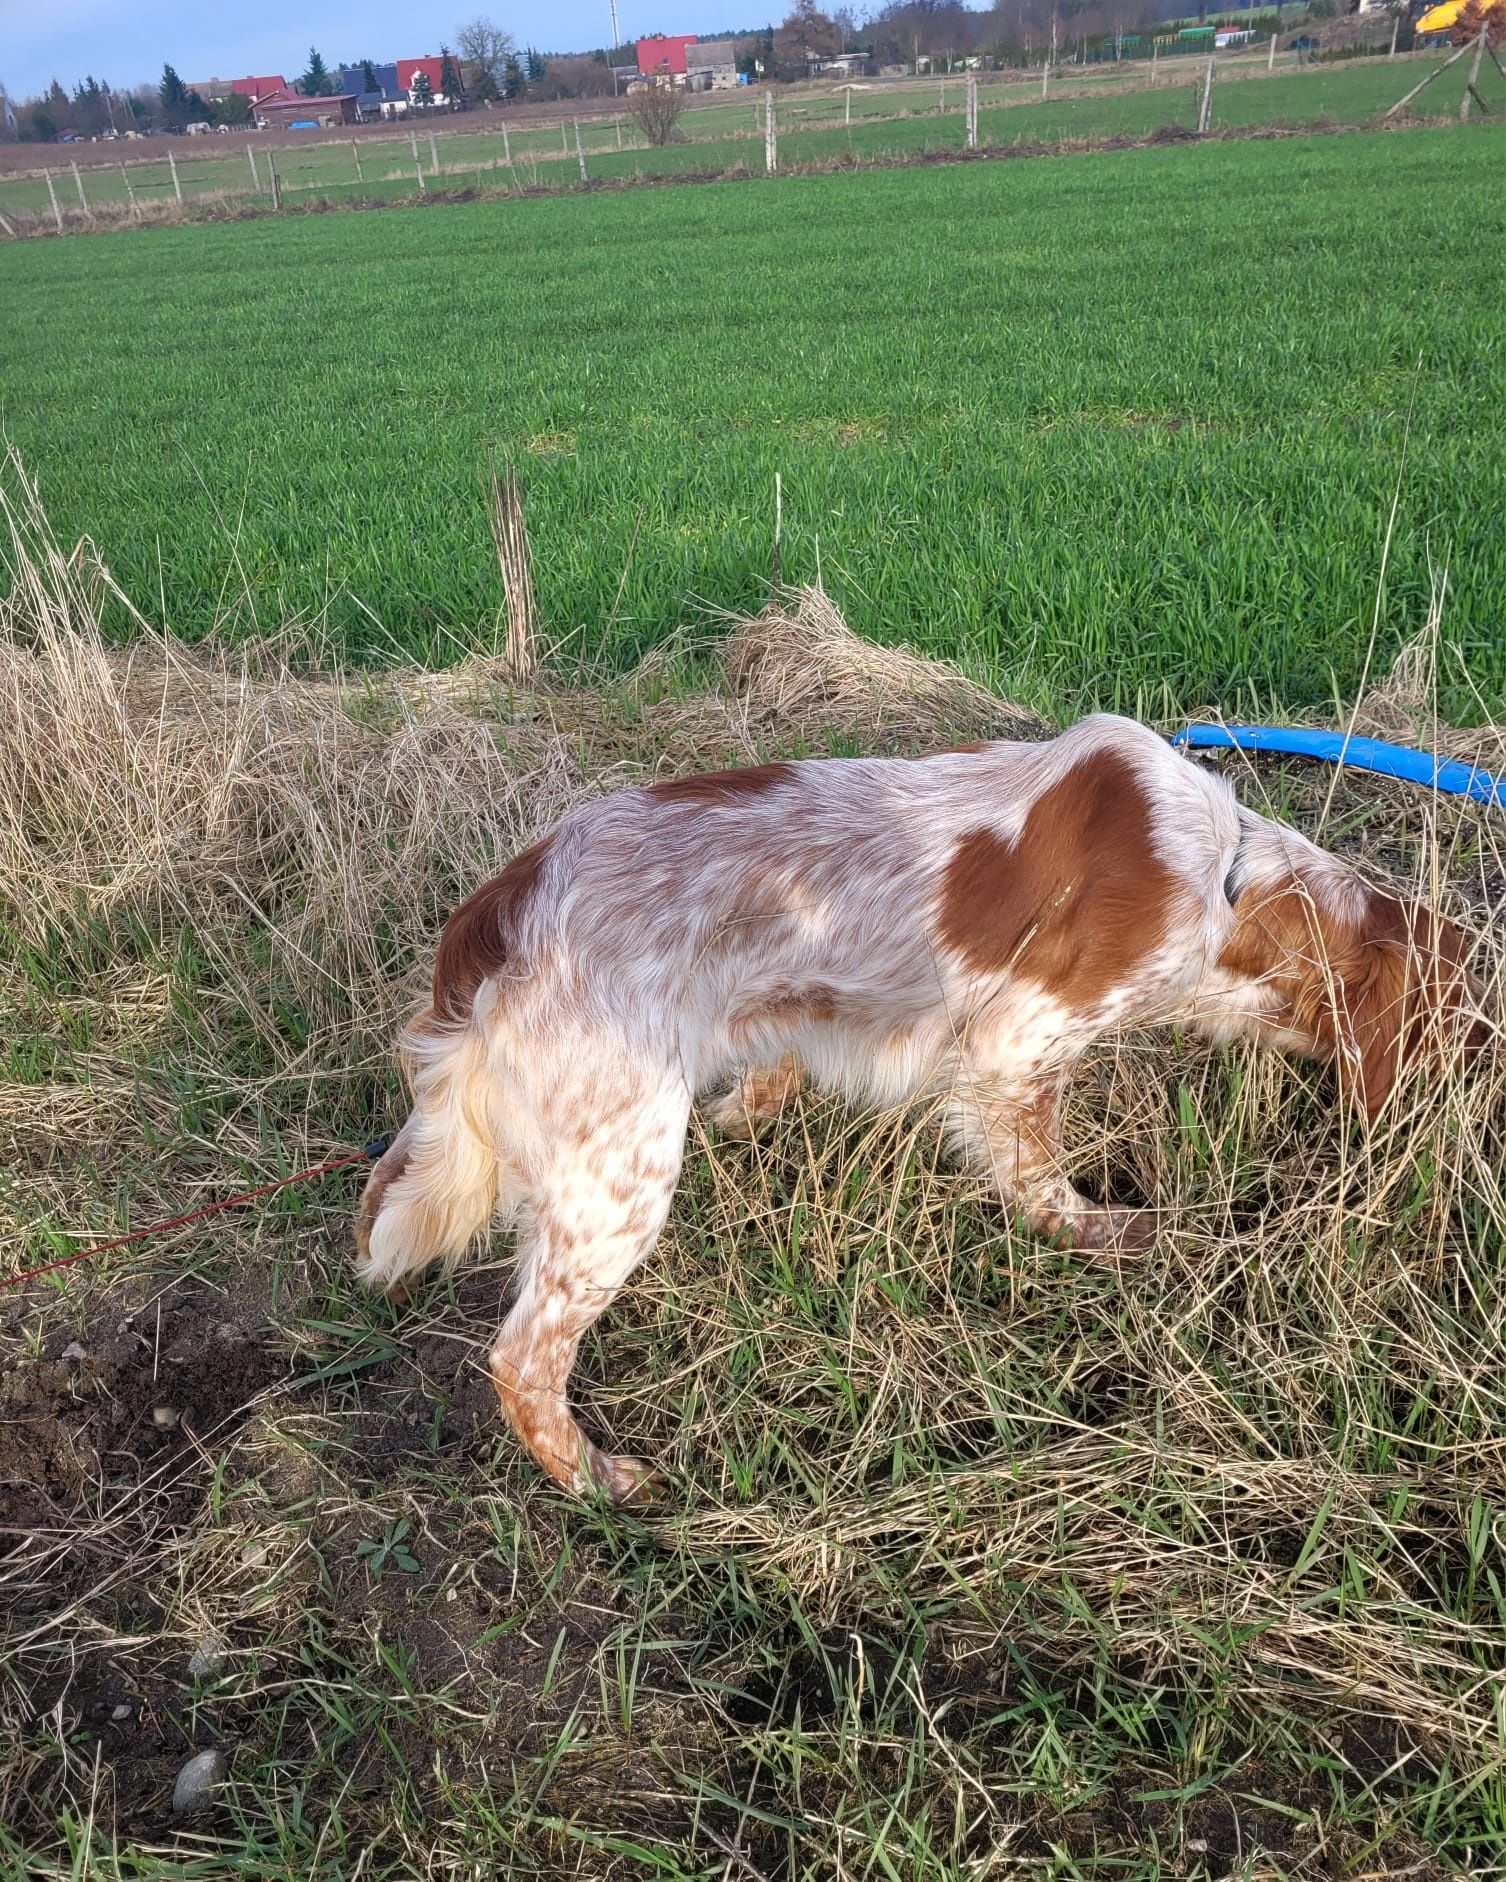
435 1190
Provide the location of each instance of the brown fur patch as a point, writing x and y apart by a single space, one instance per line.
786 1007
722 787
389 1167
1077 901
478 936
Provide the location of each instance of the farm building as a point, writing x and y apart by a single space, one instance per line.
711 65
293 112
663 56
217 90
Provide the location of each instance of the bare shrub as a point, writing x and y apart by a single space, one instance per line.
657 110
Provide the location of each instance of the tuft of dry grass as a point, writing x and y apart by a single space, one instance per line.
980 1559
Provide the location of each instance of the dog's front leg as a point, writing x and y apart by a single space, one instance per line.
1013 1129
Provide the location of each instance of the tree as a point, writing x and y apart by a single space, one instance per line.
514 83
368 76
487 50
806 36
656 107
421 91
533 65
316 81
233 110
449 77
172 94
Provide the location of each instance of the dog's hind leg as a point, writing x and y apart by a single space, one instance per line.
596 1212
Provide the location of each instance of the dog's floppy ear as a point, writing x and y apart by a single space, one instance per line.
1375 1022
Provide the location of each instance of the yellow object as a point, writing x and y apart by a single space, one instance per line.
1441 18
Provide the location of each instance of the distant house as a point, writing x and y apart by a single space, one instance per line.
293 112
663 56
217 90
711 65
851 65
371 101
433 69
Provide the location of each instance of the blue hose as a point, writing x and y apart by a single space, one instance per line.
1364 754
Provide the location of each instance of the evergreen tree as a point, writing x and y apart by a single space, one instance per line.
172 93
316 81
449 77
368 76
421 91
535 66
513 82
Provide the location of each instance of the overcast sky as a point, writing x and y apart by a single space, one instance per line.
126 41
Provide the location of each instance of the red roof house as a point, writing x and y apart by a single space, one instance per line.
664 53
254 88
409 69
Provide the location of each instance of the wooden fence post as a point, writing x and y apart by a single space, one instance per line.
8 226
770 134
276 184
172 164
78 184
580 154
1205 109
506 146
1270 64
355 151
418 168
1045 78
251 159
618 123
1395 29
1474 73
564 141
57 214
433 156
972 112
130 194
847 113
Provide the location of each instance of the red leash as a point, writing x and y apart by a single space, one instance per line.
371 1151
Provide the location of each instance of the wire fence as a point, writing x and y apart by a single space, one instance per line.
1170 82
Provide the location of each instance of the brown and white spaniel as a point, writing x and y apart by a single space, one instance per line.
959 928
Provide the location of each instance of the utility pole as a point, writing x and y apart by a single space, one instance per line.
616 32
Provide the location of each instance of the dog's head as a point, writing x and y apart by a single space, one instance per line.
1391 995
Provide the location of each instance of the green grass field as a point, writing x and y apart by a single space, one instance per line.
1104 425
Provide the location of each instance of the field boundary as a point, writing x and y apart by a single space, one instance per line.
208 209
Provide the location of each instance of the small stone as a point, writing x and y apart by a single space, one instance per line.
253 1554
197 1779
207 1657
165 1417
120 1712
452 1594
1198 1845
75 1349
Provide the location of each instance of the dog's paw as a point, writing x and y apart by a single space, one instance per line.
622 1479
1122 1231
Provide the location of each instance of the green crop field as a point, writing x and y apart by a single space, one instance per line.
1103 425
